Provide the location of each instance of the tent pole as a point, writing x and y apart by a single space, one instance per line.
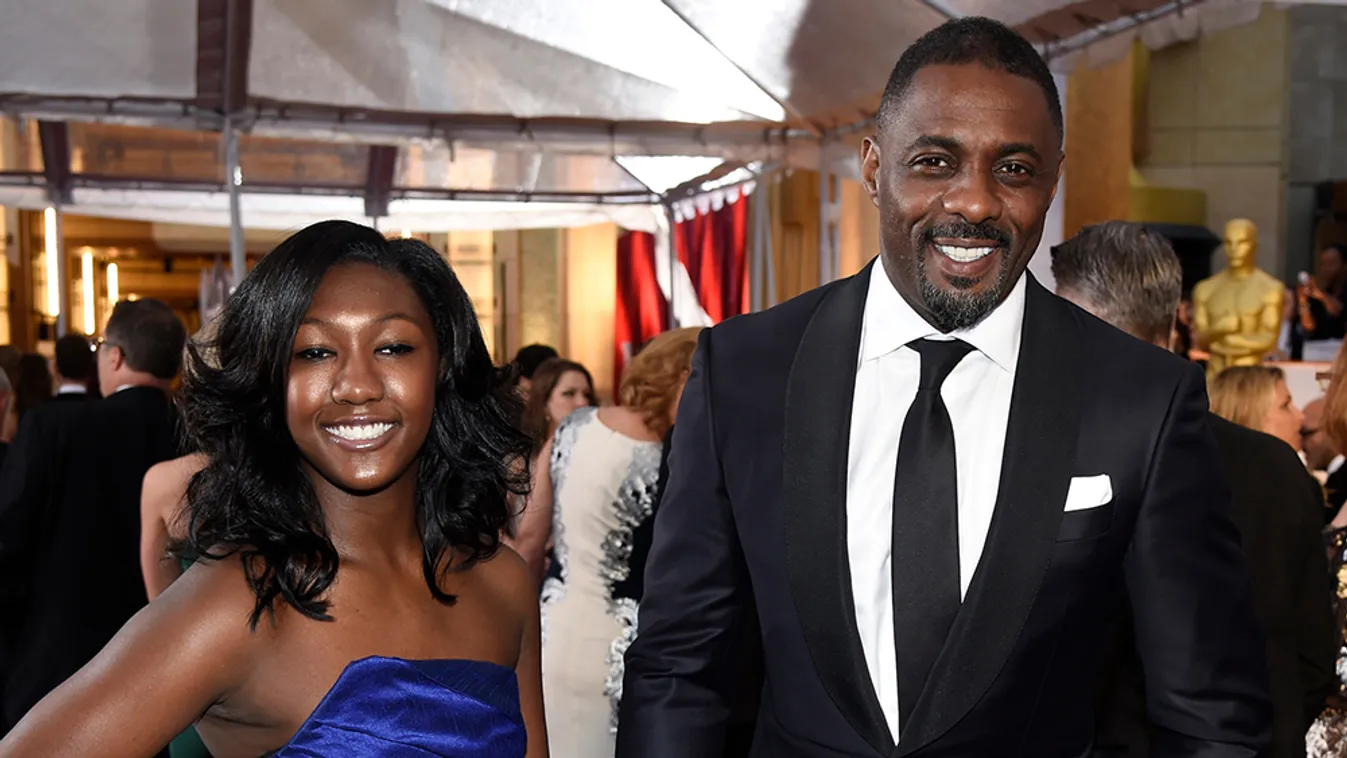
759 211
827 266
57 245
673 266
238 260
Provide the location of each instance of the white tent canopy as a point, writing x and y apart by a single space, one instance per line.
551 100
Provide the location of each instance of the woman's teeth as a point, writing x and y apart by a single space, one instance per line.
964 254
360 432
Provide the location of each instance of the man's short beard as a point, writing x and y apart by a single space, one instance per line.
957 309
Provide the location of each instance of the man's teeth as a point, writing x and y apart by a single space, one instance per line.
360 432
964 254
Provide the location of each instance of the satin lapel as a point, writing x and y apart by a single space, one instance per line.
814 478
1040 454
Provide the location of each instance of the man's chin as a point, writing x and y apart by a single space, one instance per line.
956 308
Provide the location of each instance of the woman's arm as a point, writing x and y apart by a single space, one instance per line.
149 683
529 673
535 523
158 503
163 505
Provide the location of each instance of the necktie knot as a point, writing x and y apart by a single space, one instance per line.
938 359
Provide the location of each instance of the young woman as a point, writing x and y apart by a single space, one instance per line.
559 387
350 596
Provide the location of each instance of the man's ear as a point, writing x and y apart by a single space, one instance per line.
870 168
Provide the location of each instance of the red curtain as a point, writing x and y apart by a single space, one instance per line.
712 246
642 310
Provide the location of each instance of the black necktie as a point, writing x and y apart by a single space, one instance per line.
925 526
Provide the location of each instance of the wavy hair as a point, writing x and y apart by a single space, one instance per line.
545 379
254 500
652 379
1244 394
1335 401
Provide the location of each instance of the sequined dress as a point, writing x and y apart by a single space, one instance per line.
1327 738
604 490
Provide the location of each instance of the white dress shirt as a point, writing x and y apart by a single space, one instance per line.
977 395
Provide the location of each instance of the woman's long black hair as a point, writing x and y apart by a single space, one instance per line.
253 499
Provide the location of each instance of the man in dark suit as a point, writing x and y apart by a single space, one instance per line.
70 508
1322 455
1131 278
918 596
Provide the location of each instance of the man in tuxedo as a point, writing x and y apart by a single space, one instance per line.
1131 278
70 508
1322 455
917 596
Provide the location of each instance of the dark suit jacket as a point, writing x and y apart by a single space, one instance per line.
755 508
1276 508
70 535
1335 491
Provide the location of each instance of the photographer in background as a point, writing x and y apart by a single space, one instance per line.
1319 301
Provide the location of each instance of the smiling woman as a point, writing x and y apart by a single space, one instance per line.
350 595
336 335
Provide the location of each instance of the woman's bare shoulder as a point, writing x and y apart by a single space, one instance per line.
506 575
216 596
171 476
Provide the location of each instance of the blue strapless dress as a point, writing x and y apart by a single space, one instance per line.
394 708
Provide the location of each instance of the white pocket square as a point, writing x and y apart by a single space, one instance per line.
1088 492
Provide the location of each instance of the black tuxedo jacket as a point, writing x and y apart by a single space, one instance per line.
756 507
70 535
1335 492
1276 508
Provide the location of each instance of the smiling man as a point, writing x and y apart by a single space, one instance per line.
935 481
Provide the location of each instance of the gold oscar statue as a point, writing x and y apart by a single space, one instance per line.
1237 313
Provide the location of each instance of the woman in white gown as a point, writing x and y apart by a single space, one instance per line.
604 475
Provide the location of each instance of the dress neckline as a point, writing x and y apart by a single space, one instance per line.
430 668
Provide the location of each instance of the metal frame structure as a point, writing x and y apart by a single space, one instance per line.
223 104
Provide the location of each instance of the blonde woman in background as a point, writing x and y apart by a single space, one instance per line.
604 477
1257 397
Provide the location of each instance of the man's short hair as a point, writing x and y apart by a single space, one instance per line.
75 357
972 40
1128 275
150 336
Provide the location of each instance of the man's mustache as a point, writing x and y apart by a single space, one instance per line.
964 230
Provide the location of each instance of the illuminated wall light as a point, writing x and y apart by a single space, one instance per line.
113 284
406 234
53 262
87 289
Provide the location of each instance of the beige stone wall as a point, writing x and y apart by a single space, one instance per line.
540 305
1218 122
857 229
1098 145
590 299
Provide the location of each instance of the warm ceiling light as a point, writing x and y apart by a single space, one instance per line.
406 234
87 288
113 284
53 262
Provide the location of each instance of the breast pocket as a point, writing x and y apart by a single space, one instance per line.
1085 524
1088 511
